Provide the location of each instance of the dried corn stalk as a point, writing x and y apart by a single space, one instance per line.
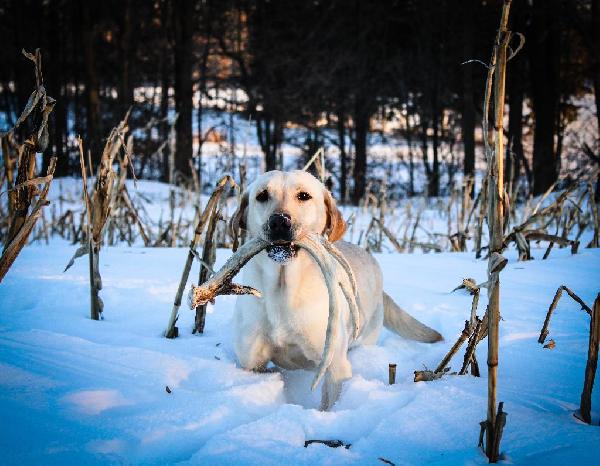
496 204
209 256
544 332
22 194
585 406
172 330
472 332
99 208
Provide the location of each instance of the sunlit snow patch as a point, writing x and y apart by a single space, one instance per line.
95 401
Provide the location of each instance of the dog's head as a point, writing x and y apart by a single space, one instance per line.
282 206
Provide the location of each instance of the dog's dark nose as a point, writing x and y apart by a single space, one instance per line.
280 227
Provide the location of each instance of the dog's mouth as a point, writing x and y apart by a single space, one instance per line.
282 251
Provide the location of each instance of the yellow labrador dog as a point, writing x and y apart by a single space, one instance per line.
288 325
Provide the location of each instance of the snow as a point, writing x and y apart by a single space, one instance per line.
76 391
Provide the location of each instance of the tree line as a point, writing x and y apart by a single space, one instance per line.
328 68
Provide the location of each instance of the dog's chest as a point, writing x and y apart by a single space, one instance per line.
297 311
297 319
294 309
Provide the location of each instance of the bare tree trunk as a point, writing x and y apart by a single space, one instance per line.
201 91
468 111
361 129
164 112
269 132
514 149
596 58
55 86
411 155
92 94
425 149
433 186
127 44
341 127
544 53
183 20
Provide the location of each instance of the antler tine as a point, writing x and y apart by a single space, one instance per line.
352 304
220 283
316 250
335 252
346 281
352 298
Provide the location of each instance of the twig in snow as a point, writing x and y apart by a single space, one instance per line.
544 332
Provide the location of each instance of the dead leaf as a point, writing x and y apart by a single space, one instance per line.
550 345
81 251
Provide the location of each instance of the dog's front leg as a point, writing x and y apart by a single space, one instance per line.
339 371
253 353
252 348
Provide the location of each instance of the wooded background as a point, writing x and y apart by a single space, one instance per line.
336 71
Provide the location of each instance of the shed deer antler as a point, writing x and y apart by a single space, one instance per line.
323 255
327 257
220 283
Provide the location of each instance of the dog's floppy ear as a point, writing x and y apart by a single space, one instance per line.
239 220
335 226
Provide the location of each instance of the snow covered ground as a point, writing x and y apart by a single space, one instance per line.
76 391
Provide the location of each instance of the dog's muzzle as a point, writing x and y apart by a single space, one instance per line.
281 234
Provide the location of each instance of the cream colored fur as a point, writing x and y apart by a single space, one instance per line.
288 324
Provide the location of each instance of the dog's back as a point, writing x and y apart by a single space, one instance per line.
373 299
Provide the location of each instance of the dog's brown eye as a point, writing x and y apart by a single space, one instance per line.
263 196
303 196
